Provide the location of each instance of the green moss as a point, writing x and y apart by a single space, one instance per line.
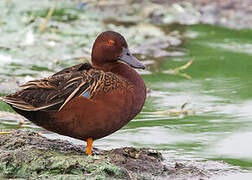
38 68
4 106
59 14
39 163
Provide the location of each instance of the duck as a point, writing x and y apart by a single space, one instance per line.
87 101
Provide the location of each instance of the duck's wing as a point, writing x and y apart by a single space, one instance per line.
54 92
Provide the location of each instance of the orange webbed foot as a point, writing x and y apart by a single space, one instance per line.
89 146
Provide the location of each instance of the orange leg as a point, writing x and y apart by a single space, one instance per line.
89 146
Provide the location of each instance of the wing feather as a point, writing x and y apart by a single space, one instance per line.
54 92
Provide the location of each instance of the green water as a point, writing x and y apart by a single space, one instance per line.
218 91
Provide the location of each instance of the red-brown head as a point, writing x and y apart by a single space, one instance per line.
109 47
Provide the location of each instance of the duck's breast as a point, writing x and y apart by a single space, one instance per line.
82 118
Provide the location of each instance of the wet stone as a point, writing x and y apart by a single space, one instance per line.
28 155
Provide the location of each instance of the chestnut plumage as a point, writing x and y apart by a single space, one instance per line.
86 101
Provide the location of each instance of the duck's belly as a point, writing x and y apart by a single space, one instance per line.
83 118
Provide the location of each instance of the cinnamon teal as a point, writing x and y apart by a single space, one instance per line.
86 101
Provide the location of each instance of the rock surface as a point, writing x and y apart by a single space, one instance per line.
28 155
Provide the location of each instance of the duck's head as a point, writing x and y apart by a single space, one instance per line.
110 47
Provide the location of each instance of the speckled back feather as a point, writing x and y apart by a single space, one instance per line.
54 92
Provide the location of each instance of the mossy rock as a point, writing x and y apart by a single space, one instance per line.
28 155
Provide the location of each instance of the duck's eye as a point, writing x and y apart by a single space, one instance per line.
110 42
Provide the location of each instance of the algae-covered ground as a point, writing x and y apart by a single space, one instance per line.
28 155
